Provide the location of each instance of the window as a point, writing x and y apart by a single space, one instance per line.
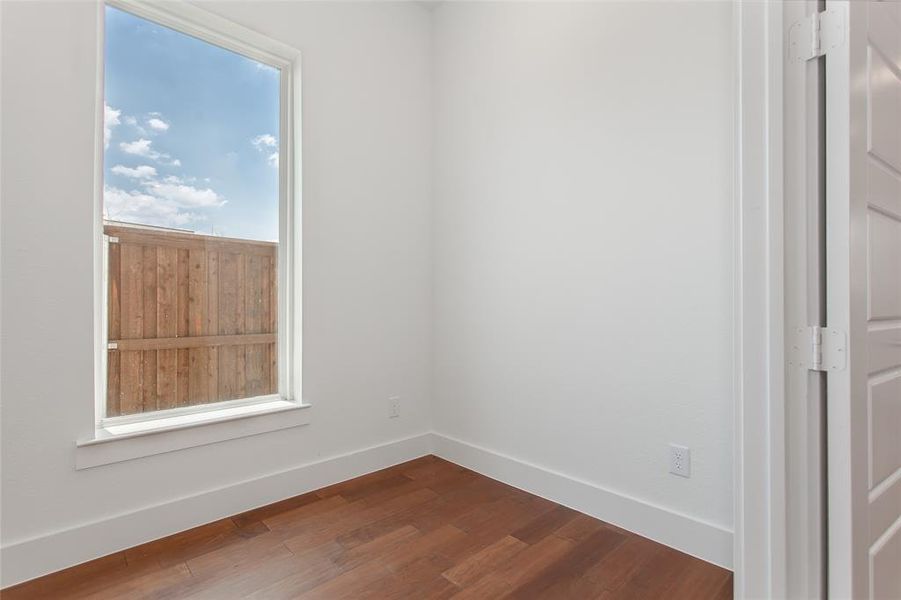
197 219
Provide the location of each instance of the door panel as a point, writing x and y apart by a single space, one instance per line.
884 265
885 423
884 95
884 189
884 562
864 297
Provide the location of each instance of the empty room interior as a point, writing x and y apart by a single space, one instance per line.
395 299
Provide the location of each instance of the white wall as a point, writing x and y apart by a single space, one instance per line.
367 296
583 244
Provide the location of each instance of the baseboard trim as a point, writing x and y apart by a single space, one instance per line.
27 559
701 539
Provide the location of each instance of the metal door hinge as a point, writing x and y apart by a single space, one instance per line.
819 349
815 35
112 239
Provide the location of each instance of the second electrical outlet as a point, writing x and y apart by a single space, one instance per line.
393 407
680 460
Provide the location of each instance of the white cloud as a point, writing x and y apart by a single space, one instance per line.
157 124
266 140
133 122
167 203
186 196
110 120
143 147
182 179
138 207
141 172
139 147
266 68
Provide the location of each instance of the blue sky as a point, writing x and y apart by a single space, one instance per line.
190 133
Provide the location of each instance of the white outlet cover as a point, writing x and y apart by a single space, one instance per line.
680 460
393 407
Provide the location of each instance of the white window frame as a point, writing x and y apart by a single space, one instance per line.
219 420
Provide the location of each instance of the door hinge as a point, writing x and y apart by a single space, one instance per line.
819 349
815 35
112 239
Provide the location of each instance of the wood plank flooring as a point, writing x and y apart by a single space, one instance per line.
422 529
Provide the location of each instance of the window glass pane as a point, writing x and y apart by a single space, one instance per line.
191 205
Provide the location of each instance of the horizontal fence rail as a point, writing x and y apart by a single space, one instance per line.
191 319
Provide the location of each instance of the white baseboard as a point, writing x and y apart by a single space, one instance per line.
690 535
27 559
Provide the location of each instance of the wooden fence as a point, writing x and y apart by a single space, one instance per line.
192 319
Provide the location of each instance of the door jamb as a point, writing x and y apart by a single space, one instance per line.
805 306
758 302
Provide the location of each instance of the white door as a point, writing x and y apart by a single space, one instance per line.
863 288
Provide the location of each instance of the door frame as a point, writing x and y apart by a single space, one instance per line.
805 280
759 542
780 528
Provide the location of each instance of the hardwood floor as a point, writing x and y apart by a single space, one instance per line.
422 529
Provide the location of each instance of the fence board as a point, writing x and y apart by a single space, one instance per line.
182 377
272 286
112 383
113 331
182 323
167 326
212 322
194 318
132 327
149 357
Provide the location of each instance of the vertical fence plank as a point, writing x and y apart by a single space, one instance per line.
265 311
212 310
167 326
149 357
228 317
231 296
241 372
241 323
132 327
198 383
114 279
130 393
240 389
112 383
182 376
212 324
273 320
182 358
115 283
132 303
253 294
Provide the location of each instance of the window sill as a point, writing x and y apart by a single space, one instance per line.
118 443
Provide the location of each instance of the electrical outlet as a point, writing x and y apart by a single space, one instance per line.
393 407
680 460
